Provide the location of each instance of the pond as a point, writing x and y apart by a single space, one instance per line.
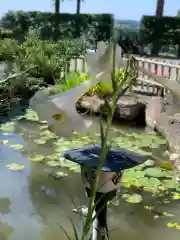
39 188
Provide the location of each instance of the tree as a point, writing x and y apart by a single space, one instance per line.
57 6
159 13
178 13
78 6
160 8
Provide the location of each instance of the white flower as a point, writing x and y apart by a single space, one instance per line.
60 110
101 60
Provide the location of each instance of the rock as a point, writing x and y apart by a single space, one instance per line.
128 108
162 116
169 127
155 107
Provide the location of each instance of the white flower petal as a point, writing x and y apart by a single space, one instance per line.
60 110
101 47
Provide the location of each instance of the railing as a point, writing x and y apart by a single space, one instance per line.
144 83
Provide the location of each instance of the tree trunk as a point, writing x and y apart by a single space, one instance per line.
78 6
57 6
159 13
160 8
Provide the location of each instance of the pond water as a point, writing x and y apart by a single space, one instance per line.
38 192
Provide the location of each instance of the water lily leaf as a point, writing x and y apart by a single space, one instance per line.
170 183
155 172
53 163
150 208
154 182
15 167
166 165
8 127
134 198
175 196
61 174
17 146
141 182
149 163
166 214
40 141
36 158
75 169
174 225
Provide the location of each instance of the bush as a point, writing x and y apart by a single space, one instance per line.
94 27
49 57
74 79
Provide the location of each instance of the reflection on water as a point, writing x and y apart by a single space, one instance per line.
33 204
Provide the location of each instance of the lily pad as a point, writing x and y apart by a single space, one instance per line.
53 163
8 127
149 163
36 158
40 141
15 167
60 174
134 198
155 172
17 146
167 165
174 225
175 195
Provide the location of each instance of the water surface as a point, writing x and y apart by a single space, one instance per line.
33 203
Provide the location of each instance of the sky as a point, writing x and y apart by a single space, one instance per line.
122 9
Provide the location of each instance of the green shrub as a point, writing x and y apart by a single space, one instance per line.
74 79
8 49
94 27
49 57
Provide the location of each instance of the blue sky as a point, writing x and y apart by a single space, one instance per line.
123 9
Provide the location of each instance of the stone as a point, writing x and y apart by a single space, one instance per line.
162 115
169 127
155 107
128 108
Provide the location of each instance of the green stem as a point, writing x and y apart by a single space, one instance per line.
103 155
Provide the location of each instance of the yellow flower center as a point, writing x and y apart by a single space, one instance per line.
58 117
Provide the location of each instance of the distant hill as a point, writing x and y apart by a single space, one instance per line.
132 24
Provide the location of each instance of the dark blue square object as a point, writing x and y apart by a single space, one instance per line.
118 159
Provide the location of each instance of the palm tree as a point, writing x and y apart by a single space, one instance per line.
160 8
57 6
78 6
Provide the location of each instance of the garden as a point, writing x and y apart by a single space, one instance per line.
38 181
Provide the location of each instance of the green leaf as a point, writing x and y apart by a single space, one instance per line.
17 146
36 158
155 172
60 174
102 133
40 141
134 198
15 167
53 163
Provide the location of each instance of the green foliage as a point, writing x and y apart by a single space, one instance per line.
165 30
5 33
101 89
49 57
52 26
8 49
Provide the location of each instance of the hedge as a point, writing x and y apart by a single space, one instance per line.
95 27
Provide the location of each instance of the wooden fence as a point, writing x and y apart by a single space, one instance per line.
144 83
